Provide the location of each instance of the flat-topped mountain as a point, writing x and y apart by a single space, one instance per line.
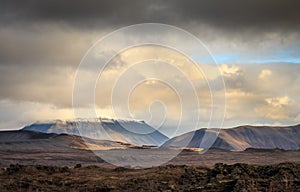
243 137
126 131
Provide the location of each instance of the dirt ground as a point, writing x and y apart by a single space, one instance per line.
75 156
220 177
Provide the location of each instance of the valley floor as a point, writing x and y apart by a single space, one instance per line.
215 170
72 157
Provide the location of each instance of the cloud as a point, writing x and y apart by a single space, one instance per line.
42 43
37 84
16 114
259 14
278 102
268 94
265 73
229 70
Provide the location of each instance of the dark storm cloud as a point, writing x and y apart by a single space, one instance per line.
245 13
82 13
59 32
229 14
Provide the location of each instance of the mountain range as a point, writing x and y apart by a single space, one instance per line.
118 133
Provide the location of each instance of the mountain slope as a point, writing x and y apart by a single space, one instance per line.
133 132
31 140
243 137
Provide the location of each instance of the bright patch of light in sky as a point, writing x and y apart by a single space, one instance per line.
276 56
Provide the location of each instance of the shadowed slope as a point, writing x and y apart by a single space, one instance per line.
31 140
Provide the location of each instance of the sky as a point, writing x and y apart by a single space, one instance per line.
256 44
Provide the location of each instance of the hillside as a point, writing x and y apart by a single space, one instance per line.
243 137
31 140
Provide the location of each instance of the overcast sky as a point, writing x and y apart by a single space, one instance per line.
255 42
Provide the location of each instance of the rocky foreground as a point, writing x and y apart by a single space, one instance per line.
220 177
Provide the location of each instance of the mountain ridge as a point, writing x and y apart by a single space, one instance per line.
236 138
243 137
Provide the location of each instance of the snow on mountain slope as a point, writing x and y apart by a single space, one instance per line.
127 131
243 137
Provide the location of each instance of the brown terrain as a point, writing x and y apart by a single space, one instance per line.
85 157
33 161
220 177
